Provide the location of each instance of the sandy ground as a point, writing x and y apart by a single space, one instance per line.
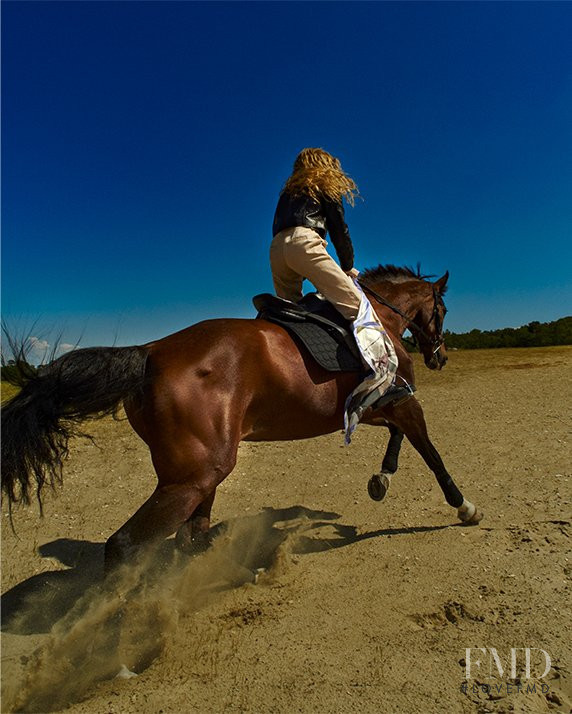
360 606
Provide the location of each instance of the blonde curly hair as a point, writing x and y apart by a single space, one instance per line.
317 173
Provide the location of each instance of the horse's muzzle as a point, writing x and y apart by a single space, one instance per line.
436 361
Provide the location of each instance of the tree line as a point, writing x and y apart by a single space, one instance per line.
534 334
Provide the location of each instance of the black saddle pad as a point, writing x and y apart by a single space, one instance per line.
318 325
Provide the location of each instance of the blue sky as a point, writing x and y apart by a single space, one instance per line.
144 145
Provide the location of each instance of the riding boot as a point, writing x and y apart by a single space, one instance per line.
378 354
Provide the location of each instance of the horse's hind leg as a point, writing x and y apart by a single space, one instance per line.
379 483
193 535
409 418
160 515
188 478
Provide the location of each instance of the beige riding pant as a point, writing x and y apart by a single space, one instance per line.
298 253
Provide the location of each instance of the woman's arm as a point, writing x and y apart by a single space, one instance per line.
339 233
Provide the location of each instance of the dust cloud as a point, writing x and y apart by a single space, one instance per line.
126 621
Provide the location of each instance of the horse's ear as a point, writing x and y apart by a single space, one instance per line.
441 284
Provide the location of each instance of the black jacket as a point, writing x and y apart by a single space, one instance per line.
320 216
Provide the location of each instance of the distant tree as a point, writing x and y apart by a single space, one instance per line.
534 334
13 370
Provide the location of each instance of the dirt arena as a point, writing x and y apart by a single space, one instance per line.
314 598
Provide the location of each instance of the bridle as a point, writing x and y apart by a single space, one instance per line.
415 330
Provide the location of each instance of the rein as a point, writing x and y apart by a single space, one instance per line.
436 343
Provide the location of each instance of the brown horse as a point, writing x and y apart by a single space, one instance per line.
194 395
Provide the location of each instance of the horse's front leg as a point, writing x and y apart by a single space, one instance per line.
379 483
408 417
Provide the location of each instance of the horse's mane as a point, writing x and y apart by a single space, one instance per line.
392 274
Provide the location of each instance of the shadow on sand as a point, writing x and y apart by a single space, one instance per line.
90 628
36 604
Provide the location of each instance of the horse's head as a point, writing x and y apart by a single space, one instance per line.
417 301
429 322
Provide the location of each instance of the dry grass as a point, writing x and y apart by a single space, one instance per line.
7 391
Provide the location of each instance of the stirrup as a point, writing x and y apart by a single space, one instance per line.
394 395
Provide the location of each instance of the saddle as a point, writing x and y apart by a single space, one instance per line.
316 323
328 337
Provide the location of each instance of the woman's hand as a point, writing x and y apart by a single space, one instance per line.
353 273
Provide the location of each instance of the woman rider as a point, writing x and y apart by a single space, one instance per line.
311 205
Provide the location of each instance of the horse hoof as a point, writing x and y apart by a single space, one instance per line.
125 673
474 520
378 486
192 545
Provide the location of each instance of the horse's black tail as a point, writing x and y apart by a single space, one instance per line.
38 422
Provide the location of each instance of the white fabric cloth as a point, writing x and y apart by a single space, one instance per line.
378 353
